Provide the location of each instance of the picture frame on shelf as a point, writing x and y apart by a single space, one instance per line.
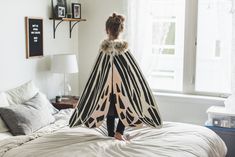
59 8
60 11
76 10
34 36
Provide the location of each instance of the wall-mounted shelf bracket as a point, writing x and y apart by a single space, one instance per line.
71 26
72 23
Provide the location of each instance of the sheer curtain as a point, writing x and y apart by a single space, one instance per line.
138 31
153 28
139 28
230 102
233 47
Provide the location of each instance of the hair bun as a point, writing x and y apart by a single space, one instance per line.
114 14
117 18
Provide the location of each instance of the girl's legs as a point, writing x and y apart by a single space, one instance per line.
120 127
110 125
112 114
119 131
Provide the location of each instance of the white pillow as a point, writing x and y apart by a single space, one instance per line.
3 103
22 93
43 98
3 100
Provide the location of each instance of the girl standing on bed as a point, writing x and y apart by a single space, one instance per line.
116 88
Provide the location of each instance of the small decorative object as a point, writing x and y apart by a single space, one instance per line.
58 99
34 37
59 8
76 10
60 11
69 15
216 122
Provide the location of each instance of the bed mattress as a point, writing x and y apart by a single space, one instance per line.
173 140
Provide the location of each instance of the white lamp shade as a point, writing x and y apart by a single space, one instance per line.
64 63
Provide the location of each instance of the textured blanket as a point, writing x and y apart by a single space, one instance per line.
173 140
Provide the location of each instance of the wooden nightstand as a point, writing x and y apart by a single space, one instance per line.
70 102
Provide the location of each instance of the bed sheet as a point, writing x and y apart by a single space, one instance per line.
4 135
173 140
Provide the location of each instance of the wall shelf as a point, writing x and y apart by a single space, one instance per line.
72 23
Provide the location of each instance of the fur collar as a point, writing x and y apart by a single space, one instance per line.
109 46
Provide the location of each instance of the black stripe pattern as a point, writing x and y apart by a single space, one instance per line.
135 103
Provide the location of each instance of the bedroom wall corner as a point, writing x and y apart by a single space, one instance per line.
15 69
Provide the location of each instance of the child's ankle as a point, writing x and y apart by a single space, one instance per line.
119 136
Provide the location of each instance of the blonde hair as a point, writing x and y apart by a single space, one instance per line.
115 25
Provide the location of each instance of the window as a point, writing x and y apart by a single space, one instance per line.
186 45
167 18
214 46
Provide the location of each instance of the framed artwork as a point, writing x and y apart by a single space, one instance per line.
76 10
59 8
60 11
34 37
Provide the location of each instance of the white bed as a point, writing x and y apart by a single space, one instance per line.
57 140
5 135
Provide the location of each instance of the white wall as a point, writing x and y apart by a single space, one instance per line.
92 32
15 69
173 108
185 108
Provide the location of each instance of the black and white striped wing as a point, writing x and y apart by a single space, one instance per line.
94 101
135 102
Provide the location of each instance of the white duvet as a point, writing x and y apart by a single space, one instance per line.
57 140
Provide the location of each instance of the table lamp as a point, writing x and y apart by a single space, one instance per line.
66 64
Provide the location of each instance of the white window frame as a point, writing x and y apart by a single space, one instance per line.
190 47
178 50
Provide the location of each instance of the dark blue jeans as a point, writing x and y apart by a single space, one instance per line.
112 114
111 125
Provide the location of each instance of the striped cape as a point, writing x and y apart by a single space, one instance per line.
116 70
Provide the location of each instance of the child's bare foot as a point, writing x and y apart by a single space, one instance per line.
119 136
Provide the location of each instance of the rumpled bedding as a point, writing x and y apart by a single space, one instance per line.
58 140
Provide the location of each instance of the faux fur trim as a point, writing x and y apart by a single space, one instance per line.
109 46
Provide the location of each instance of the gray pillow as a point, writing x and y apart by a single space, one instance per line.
25 118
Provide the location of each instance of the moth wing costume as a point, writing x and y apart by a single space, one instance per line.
116 72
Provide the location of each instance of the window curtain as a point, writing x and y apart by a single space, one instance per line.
138 31
233 48
139 34
230 101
